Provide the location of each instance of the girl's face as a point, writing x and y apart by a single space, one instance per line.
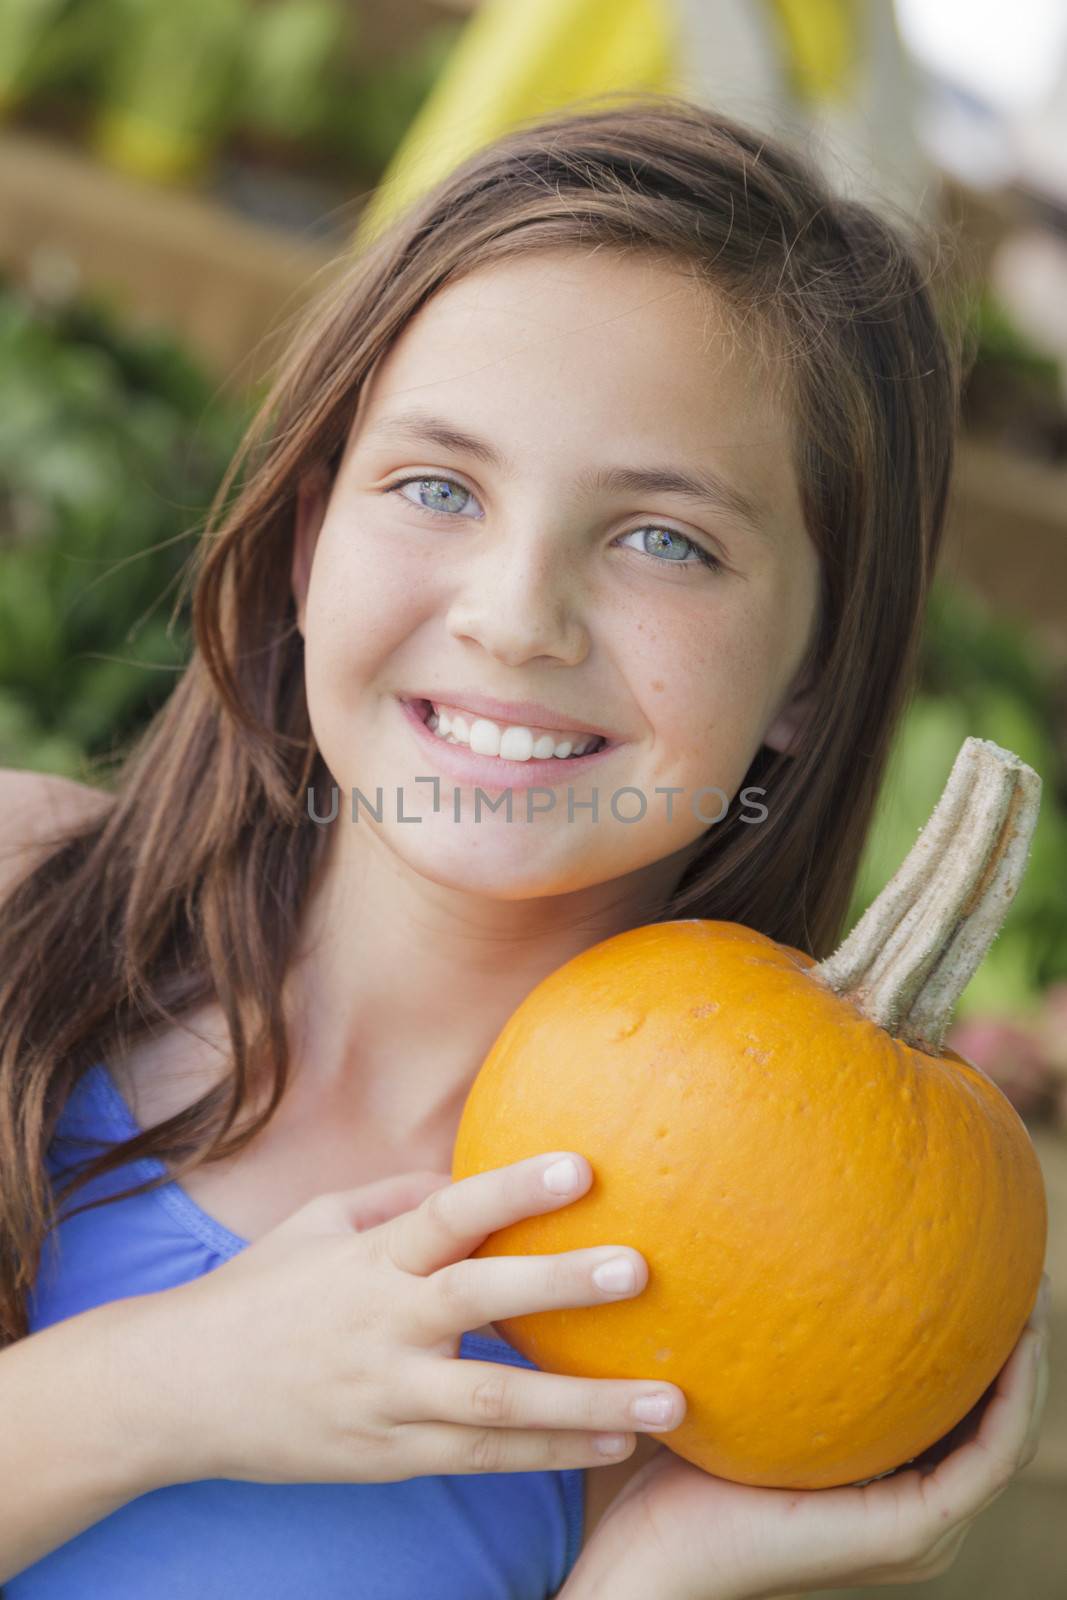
527 565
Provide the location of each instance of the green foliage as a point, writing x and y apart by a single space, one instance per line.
112 444
290 49
368 118
39 39
174 68
980 678
998 341
205 73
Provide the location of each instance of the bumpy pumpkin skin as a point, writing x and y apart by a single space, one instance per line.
844 1236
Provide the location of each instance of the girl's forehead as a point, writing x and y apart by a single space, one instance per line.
641 343
594 355
539 276
611 372
555 293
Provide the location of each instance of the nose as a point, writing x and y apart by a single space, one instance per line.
518 601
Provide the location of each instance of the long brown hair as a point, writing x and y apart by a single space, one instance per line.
187 886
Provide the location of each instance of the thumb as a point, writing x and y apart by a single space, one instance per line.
375 1203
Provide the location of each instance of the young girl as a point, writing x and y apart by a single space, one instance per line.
618 464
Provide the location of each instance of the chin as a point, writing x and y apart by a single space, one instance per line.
492 864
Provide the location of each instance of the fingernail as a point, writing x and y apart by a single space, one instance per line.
617 1274
653 1408
610 1444
562 1176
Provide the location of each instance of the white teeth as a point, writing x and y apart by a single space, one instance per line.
512 743
484 737
516 744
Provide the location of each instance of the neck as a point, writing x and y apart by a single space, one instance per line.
400 985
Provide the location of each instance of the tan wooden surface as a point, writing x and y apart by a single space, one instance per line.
1006 538
174 258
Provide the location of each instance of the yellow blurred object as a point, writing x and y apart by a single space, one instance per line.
165 100
821 45
518 60
147 149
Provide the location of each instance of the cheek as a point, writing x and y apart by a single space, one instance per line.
700 678
363 602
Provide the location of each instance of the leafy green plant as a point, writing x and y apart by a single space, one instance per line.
981 676
998 341
1014 392
368 120
112 443
43 46
163 89
289 66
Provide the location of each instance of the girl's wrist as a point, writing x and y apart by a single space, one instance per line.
608 1570
153 1404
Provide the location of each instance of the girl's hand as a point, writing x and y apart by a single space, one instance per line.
325 1352
682 1534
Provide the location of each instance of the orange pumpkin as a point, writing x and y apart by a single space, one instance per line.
844 1223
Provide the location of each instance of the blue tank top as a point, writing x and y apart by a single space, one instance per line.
461 1536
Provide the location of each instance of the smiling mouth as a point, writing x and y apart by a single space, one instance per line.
563 745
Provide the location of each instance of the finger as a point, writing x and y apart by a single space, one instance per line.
971 1478
374 1203
443 1447
469 1294
1039 1316
455 1220
491 1394
1037 1417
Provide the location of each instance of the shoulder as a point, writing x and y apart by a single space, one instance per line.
36 808
603 1484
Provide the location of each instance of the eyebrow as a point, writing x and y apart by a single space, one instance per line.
702 486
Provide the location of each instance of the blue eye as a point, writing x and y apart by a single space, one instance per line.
444 489
703 556
441 488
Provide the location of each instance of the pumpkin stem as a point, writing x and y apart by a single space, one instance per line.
913 952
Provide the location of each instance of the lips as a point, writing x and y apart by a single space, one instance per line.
510 713
492 773
426 707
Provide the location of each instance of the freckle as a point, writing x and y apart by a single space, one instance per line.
657 684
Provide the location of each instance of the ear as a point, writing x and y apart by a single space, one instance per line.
312 498
792 721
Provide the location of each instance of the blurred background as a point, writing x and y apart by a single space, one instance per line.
176 180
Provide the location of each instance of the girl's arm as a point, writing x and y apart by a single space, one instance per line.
81 1422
